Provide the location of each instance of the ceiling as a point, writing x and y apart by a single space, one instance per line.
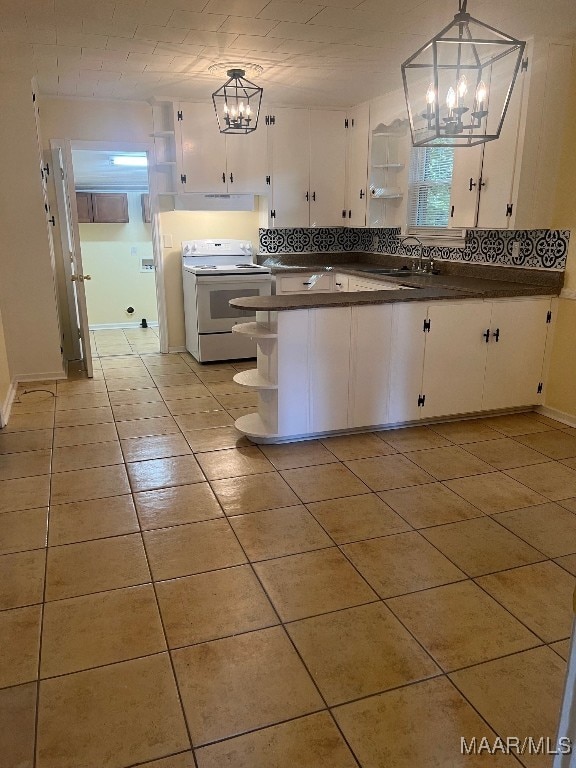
320 52
94 170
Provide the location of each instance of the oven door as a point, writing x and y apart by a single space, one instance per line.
215 315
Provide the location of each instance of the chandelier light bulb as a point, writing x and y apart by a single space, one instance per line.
462 87
430 95
481 94
451 99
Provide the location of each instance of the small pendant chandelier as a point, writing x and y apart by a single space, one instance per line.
458 85
237 103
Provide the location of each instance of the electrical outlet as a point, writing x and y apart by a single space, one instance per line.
375 241
515 249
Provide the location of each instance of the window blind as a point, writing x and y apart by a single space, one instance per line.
429 185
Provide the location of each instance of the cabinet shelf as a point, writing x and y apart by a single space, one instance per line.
166 163
253 380
392 166
254 330
252 425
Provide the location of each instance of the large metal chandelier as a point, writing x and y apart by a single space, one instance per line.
458 85
237 103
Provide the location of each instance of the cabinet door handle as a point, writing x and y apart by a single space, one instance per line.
482 183
307 197
338 285
486 335
496 334
308 283
314 196
472 185
231 178
223 178
362 193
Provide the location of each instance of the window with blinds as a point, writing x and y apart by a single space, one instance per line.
429 185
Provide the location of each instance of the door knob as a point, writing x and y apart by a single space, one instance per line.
80 278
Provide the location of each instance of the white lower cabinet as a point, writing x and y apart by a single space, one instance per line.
329 368
406 361
305 282
370 350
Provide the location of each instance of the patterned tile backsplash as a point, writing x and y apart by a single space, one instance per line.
538 248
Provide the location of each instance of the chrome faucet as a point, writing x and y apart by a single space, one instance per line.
418 252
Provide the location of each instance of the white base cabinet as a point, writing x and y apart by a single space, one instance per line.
337 369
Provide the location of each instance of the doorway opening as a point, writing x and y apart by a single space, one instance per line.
115 235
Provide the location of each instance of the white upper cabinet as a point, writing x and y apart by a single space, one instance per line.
308 167
357 165
213 162
290 141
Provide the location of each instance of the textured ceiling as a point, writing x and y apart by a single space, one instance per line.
321 52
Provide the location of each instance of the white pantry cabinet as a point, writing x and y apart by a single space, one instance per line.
357 165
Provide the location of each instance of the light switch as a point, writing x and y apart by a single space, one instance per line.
515 249
166 240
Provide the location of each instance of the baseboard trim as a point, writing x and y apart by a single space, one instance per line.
120 326
171 350
47 376
553 413
566 293
6 407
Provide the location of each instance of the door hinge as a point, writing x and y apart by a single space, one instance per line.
46 169
179 116
548 317
352 122
268 180
46 207
52 221
421 400
509 209
33 98
270 120
524 67
540 388
183 178
273 214
345 122
79 333
452 212
426 327
350 214
343 214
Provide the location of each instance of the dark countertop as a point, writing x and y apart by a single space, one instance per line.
428 288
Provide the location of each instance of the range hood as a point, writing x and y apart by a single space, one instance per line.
213 202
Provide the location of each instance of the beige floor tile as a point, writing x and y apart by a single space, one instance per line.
240 683
234 462
212 605
413 438
165 507
571 463
405 562
253 493
19 645
481 546
22 530
95 566
195 548
431 504
18 442
158 367
235 413
76 402
95 433
176 379
192 405
163 425
17 724
202 440
460 625
139 411
93 519
249 400
312 583
386 472
553 480
104 628
122 362
226 388
568 562
304 454
362 446
450 462
154 447
328 481
28 422
519 695
514 424
353 518
86 387
184 391
562 648
84 484
548 527
276 532
22 579
135 396
24 493
22 406
467 431
134 372
204 420
308 742
495 492
556 444
546 420
16 465
135 382
120 715
73 457
359 652
162 473
505 453
419 726
539 595
84 417
216 373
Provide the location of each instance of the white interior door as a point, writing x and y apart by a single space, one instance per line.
70 239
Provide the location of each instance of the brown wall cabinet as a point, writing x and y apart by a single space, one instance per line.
145 199
102 207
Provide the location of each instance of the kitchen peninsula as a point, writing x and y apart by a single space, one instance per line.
337 361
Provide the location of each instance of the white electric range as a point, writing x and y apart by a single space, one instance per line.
213 273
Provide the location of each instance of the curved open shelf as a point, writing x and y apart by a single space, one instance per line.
253 380
254 330
252 425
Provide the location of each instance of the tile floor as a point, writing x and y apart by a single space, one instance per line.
172 596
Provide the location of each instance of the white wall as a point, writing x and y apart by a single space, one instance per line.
27 288
117 281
